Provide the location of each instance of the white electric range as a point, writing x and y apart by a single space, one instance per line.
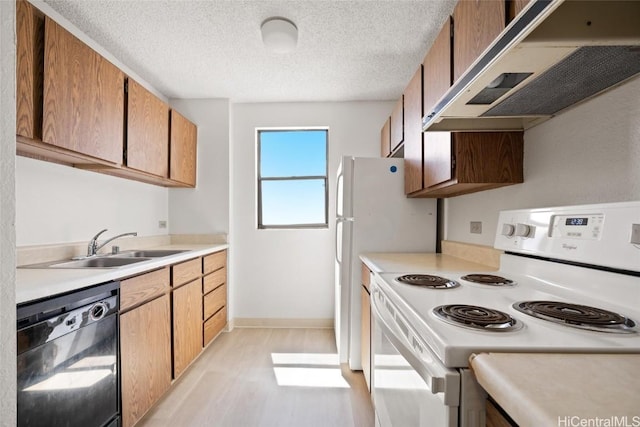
576 268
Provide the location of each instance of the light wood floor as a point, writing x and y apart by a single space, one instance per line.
267 377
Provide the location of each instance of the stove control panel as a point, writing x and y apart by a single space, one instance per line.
606 234
585 227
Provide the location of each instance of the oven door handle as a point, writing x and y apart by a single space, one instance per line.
438 378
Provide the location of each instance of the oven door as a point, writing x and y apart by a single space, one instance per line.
410 386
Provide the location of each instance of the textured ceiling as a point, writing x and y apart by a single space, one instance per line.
347 50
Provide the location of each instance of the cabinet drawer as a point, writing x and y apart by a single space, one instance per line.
213 280
143 288
215 261
215 300
214 325
186 272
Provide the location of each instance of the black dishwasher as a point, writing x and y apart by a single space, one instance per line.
68 359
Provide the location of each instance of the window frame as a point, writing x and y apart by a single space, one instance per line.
260 179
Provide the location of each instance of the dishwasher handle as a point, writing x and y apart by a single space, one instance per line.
438 378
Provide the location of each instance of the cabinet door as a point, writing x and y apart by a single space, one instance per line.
145 352
183 142
365 338
515 7
476 24
437 166
83 97
437 68
187 325
413 134
385 139
495 417
489 157
29 66
397 124
147 131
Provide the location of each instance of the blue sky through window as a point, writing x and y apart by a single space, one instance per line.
293 154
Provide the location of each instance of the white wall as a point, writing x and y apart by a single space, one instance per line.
590 154
204 209
57 203
285 274
7 215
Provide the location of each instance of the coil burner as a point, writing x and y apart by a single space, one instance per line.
477 318
488 279
428 281
577 316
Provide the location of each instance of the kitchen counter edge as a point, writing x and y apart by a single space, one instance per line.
394 262
35 284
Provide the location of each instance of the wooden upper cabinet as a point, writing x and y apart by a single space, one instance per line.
29 65
183 149
437 166
515 7
413 133
465 162
385 138
397 124
476 24
437 68
83 97
147 131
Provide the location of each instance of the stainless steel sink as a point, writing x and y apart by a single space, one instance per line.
149 253
98 262
109 261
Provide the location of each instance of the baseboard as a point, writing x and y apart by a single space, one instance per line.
248 322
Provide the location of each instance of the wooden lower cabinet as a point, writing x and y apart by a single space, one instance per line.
145 357
495 417
214 295
166 318
187 325
365 329
214 325
365 338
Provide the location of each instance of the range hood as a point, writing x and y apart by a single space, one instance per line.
555 54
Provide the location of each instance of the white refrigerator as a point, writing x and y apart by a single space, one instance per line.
372 215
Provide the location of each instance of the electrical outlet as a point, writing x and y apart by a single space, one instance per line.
635 234
475 227
162 224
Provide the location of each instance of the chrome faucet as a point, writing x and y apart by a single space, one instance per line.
93 247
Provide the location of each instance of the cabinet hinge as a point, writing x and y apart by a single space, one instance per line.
451 28
126 86
453 162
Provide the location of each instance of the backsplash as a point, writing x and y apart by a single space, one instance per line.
586 155
45 253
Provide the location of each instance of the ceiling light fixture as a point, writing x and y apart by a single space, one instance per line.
279 35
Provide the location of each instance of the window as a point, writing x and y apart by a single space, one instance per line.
292 178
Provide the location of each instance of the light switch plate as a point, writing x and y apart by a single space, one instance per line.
635 234
475 227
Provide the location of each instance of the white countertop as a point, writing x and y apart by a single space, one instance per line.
380 262
563 389
32 284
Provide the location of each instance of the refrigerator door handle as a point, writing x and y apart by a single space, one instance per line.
338 255
339 221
